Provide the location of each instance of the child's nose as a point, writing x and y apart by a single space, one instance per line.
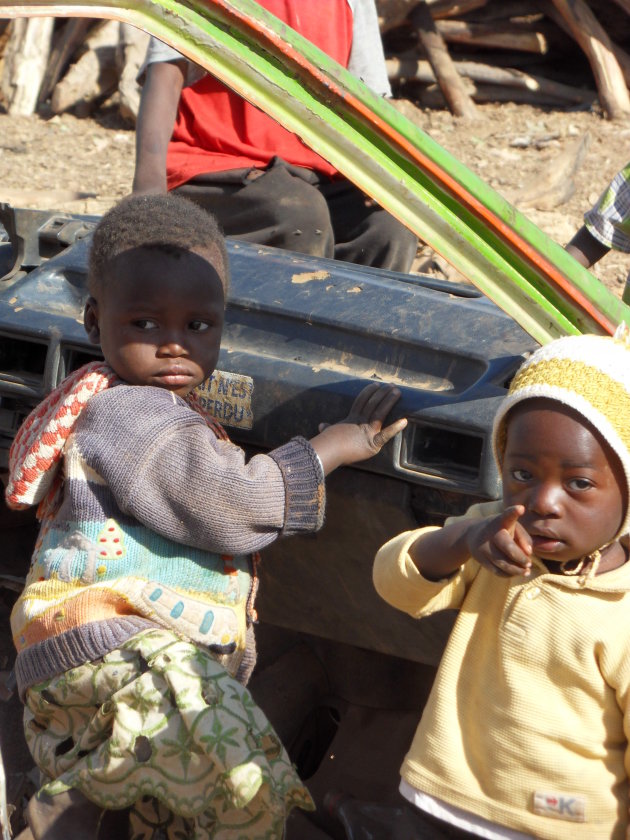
171 346
545 499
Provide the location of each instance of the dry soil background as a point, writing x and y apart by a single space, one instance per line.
85 165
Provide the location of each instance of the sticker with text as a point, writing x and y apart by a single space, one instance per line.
228 398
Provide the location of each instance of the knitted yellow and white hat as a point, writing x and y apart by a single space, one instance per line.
589 373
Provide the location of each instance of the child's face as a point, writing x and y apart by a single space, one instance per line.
159 317
570 482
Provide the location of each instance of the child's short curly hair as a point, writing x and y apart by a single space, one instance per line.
164 222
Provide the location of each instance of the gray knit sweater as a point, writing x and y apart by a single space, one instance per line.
158 521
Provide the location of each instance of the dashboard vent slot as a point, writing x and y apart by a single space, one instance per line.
12 413
75 358
21 360
443 452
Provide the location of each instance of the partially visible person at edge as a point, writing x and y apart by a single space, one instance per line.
261 181
134 630
526 732
606 226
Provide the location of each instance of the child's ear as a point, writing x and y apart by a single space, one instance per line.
90 321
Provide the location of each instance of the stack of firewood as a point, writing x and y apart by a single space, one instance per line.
558 53
441 53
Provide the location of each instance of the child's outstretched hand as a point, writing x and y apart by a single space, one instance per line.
361 435
501 544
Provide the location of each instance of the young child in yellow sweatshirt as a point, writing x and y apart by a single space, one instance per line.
525 734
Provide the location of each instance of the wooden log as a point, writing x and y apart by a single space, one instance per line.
453 8
420 70
130 55
432 97
508 10
65 43
592 38
25 60
94 76
486 35
448 79
392 13
623 58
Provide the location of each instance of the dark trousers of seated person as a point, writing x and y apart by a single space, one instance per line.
293 208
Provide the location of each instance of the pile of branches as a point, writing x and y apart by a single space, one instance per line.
558 53
440 53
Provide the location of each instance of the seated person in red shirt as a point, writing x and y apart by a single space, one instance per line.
261 182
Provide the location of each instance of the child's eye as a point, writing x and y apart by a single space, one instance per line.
521 475
145 324
580 484
198 326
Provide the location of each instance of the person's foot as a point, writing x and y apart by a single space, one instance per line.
63 816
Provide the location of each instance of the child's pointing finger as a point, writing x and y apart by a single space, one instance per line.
510 517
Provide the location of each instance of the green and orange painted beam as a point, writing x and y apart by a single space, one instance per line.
497 248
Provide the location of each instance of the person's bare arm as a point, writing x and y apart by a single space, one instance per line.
499 543
156 117
586 249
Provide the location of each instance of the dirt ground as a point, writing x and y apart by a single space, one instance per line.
85 165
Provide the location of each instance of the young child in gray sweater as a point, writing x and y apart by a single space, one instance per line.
134 632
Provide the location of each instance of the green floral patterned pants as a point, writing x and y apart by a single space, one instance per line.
160 726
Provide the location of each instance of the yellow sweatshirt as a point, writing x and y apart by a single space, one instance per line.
528 721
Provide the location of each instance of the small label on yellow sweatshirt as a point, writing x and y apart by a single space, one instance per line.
560 806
